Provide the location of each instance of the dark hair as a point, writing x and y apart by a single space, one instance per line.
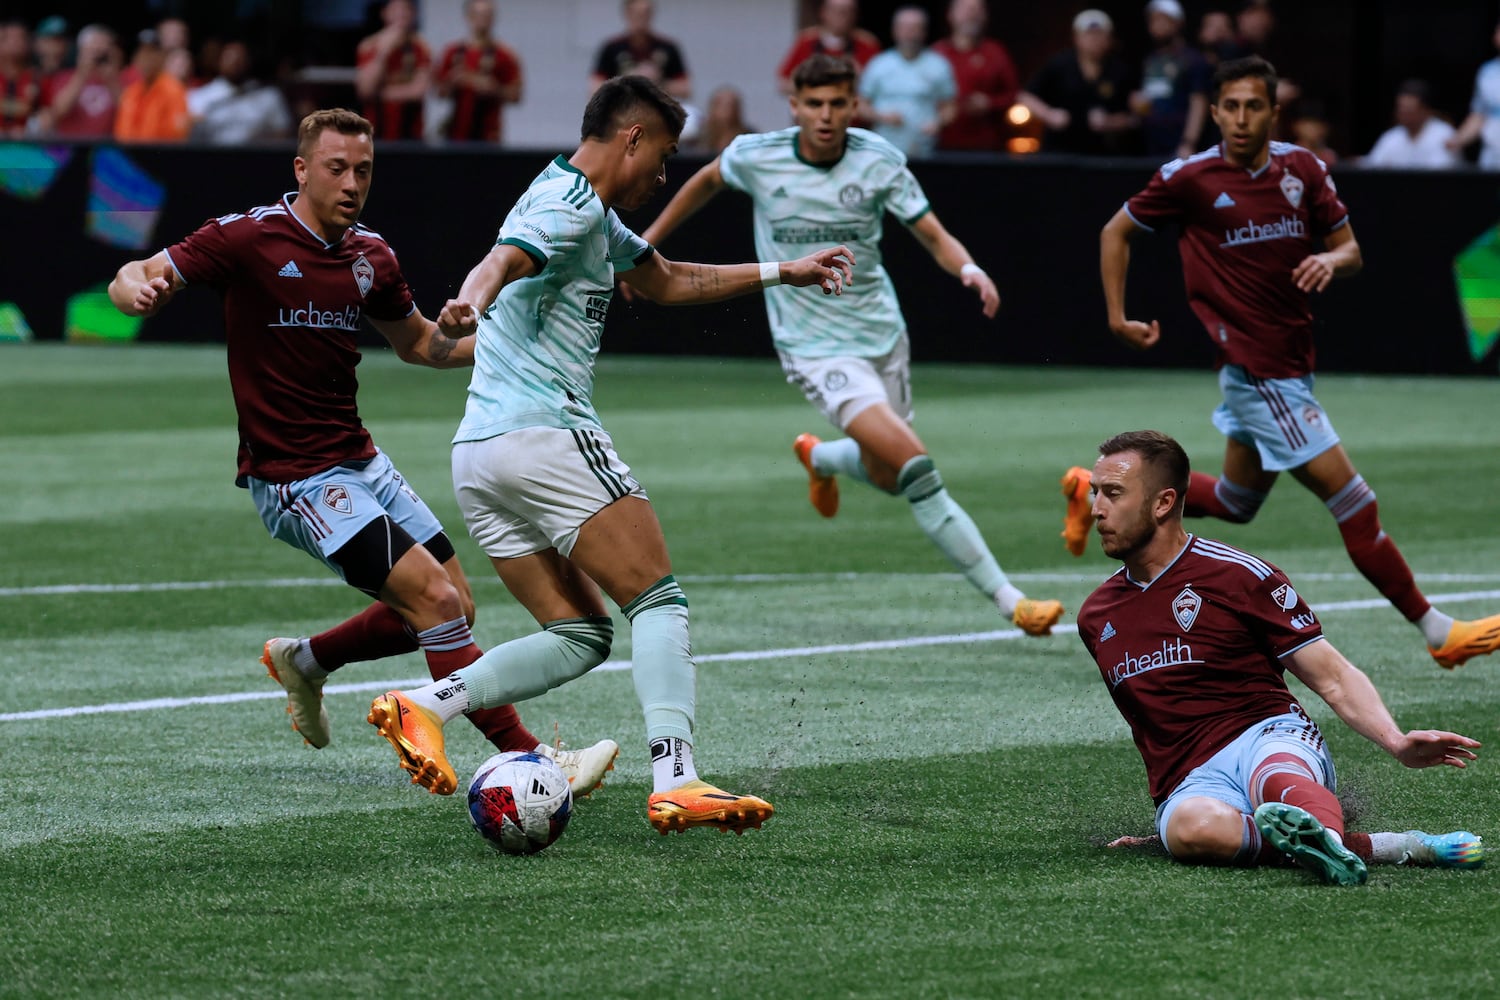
823 70
339 119
1243 69
1418 89
622 99
1161 452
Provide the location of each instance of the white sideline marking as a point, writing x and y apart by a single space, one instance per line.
738 656
66 589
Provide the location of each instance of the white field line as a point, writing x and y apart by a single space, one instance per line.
286 583
738 656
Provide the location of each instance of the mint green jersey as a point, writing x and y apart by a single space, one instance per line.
536 344
801 207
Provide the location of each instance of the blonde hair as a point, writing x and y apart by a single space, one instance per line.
339 119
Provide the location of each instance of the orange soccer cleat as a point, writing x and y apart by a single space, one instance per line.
698 803
822 491
1467 640
417 735
1079 520
1037 617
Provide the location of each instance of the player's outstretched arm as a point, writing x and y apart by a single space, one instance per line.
1339 259
1351 695
672 282
693 195
420 341
953 257
142 287
1114 263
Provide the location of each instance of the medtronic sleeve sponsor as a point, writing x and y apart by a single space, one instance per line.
314 318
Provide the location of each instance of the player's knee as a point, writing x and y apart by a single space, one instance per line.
1203 834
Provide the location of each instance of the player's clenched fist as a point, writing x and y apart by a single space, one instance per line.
456 318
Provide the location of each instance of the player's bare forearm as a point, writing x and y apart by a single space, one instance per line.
502 265
693 195
1348 691
1340 259
1114 264
440 350
142 287
680 283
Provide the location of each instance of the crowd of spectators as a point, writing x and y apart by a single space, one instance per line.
960 92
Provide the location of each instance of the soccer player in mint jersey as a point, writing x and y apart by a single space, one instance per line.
1193 638
541 487
823 180
1262 229
297 278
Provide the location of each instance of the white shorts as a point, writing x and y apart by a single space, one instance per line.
842 388
530 490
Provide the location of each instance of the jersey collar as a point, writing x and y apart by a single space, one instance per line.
1165 569
287 200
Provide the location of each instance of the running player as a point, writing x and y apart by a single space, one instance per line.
1262 229
1192 637
822 180
297 277
537 477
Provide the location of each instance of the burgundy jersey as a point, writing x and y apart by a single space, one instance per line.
1242 235
1193 658
292 310
476 116
396 119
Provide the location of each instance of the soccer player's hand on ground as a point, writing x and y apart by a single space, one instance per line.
1137 334
1313 274
1432 747
457 319
829 269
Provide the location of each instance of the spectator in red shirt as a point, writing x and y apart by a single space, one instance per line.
19 87
986 77
50 47
480 75
642 52
394 72
80 103
835 34
153 108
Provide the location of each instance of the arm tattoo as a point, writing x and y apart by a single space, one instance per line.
440 346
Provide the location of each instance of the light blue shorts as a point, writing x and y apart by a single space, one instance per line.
1226 775
320 514
1279 417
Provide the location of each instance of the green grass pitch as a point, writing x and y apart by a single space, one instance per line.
943 787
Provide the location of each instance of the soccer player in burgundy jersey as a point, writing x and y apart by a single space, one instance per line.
1262 228
480 74
1193 637
297 277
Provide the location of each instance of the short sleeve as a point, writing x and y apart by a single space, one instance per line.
905 198
730 162
1162 200
207 256
544 228
625 247
1327 210
390 299
1275 612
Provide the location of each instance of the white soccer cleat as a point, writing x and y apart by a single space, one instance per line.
304 698
585 768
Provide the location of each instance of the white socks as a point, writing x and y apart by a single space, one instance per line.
671 764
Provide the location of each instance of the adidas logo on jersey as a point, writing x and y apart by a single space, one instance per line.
1223 201
1108 632
779 193
289 270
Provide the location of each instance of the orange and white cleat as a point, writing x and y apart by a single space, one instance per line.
417 735
1079 520
822 491
698 803
1467 640
304 698
1036 617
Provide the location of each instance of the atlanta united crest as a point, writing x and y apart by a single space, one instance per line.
1185 608
364 275
1291 186
336 498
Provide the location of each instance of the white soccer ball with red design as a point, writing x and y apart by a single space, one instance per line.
520 801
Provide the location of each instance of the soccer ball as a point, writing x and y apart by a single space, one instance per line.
520 801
